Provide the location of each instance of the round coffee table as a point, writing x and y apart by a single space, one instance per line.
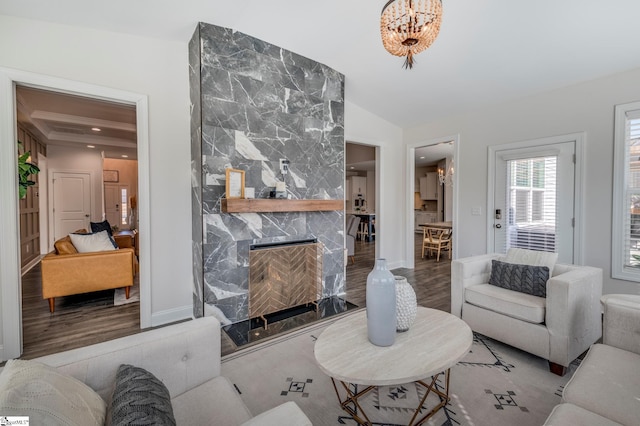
435 342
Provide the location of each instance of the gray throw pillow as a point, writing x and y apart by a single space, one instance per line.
523 278
139 398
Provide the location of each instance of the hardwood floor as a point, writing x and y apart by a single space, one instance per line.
78 321
91 318
431 280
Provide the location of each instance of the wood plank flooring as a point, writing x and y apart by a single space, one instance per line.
86 319
431 280
78 321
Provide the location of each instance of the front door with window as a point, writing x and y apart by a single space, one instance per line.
534 199
116 202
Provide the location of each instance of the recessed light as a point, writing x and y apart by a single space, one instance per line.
352 167
125 156
91 146
96 129
422 158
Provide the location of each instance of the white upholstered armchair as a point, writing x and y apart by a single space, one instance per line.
558 327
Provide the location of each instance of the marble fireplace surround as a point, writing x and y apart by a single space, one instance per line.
253 104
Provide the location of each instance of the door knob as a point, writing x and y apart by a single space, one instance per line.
497 225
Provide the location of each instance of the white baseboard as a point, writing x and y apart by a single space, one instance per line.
171 315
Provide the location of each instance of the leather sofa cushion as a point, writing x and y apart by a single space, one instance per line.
507 302
65 246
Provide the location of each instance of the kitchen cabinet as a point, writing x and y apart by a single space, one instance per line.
357 185
429 186
422 217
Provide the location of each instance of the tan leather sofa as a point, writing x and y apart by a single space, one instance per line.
66 272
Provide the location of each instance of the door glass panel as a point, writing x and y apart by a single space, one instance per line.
531 188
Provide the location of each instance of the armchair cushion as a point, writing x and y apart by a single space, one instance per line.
514 304
522 278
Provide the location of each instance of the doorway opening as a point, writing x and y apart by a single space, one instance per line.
10 274
361 225
432 193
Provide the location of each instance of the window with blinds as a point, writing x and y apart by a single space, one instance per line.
531 195
632 199
626 196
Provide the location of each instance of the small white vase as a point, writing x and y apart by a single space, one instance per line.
406 304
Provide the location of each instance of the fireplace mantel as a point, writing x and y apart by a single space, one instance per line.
278 205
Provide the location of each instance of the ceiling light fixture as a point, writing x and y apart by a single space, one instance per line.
96 129
125 156
408 27
91 146
446 178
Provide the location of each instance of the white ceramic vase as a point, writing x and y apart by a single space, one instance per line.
406 304
381 305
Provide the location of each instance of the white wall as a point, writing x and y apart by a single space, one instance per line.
584 107
363 127
64 159
158 69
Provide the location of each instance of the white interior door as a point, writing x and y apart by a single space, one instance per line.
534 191
71 202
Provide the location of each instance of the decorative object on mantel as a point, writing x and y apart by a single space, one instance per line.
446 178
381 305
406 304
235 183
25 169
408 27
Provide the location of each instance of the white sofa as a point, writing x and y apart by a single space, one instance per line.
186 358
557 328
605 389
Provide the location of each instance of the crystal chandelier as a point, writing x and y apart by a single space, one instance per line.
446 178
408 27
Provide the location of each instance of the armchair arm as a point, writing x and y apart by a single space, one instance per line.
622 321
468 271
573 312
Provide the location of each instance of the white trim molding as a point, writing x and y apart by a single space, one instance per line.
410 188
10 282
620 209
579 139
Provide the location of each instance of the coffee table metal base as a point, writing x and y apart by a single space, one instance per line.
351 405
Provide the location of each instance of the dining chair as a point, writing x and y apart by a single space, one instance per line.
436 240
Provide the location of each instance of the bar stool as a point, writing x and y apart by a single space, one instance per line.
363 230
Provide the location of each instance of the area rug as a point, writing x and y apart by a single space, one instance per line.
119 297
494 384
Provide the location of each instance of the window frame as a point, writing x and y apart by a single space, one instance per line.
620 188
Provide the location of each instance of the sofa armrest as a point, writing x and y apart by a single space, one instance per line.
469 271
622 321
573 312
284 414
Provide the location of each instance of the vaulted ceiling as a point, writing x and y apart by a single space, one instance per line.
487 52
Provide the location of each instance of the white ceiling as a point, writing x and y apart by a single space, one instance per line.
488 51
79 122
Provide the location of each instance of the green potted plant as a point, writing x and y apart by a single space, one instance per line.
25 170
